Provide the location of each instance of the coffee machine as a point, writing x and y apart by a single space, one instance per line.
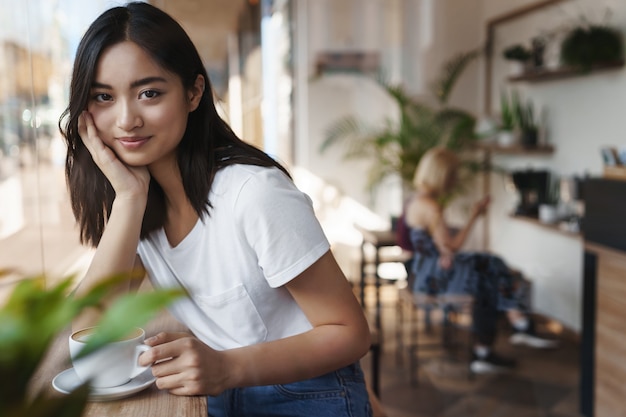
532 187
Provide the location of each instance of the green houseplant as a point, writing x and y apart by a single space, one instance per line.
32 318
508 123
518 120
519 56
526 120
591 44
397 147
516 52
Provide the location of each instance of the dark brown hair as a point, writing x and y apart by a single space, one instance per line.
208 143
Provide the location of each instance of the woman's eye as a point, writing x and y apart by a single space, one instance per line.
101 97
149 94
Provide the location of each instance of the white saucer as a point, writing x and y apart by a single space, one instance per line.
67 381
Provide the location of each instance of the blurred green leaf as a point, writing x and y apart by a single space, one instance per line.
450 73
34 315
70 405
129 311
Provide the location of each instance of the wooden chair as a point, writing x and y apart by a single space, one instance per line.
450 307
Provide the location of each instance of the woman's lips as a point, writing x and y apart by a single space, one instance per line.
133 142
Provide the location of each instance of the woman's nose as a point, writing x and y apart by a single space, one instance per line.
128 117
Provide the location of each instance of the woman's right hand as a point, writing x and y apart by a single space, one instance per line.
481 206
126 181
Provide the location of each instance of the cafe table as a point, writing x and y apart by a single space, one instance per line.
378 239
149 402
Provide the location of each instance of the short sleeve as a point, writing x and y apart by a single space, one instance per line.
278 222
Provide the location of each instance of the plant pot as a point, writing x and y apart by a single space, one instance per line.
538 51
548 213
516 68
506 138
529 138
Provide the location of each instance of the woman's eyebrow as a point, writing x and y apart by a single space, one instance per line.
134 84
96 84
147 80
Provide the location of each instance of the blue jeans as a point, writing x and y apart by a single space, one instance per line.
337 394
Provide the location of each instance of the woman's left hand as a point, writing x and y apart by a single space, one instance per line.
184 365
445 261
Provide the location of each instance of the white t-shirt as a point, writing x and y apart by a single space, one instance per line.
261 233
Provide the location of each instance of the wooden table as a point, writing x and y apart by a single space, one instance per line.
378 239
149 402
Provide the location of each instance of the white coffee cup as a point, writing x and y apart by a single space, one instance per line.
113 365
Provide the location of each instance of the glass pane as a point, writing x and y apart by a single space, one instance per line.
37 41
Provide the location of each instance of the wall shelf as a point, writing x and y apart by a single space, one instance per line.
516 149
555 227
617 172
565 72
496 22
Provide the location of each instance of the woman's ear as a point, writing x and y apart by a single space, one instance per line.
195 93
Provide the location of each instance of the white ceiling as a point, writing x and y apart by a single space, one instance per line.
208 23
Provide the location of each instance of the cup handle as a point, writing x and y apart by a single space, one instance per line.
138 369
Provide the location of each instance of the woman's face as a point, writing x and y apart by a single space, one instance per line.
451 180
139 109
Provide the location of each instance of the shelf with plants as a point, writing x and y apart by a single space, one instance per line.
586 47
554 227
518 128
565 72
516 149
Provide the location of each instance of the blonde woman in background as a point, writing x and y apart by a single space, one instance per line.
440 267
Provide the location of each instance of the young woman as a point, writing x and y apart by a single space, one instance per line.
160 183
438 265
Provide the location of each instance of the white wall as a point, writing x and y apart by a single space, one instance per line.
455 30
584 114
331 98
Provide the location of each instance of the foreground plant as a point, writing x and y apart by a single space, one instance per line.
34 316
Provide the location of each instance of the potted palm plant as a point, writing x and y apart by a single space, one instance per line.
397 147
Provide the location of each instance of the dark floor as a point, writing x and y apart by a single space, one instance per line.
544 383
